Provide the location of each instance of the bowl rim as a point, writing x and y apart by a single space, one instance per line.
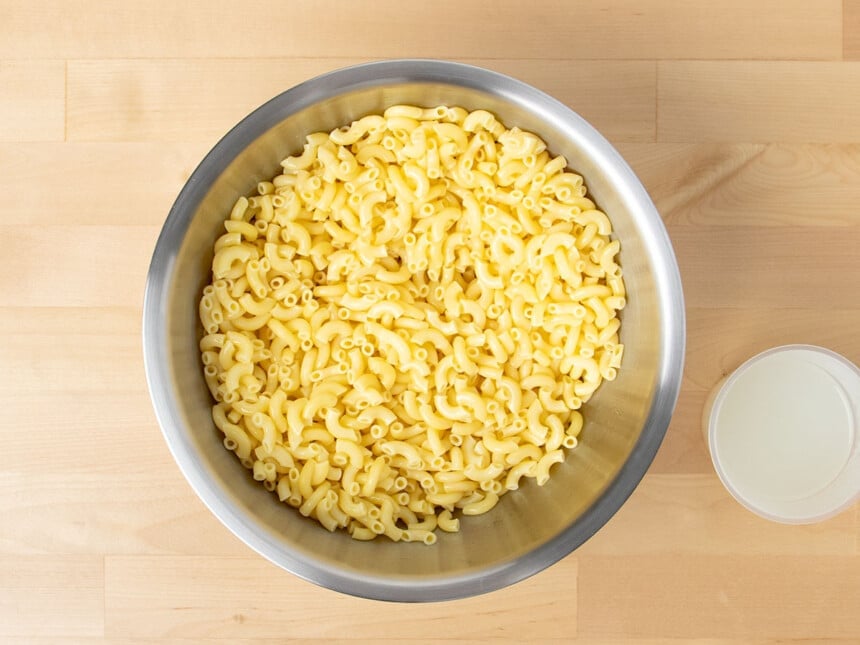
157 361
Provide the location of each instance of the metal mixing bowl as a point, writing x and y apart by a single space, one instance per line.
530 528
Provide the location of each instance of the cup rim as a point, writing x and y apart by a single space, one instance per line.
723 389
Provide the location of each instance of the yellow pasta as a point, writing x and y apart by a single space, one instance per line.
403 325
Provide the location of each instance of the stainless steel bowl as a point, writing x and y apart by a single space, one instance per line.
530 528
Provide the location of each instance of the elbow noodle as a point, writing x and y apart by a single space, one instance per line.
244 229
598 218
447 522
546 462
407 320
239 209
226 260
482 505
522 469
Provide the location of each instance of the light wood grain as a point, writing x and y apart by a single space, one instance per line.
160 100
284 640
683 450
378 29
105 404
741 120
720 339
200 597
720 596
758 101
120 422
87 265
136 513
582 640
738 184
107 356
93 184
32 100
418 640
851 29
763 266
51 596
215 640
699 517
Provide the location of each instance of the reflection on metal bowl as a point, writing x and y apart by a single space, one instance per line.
530 528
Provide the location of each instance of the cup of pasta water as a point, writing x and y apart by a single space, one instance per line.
413 330
783 433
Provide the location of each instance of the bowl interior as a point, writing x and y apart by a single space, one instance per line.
530 528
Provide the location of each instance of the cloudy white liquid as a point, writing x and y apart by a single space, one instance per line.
782 433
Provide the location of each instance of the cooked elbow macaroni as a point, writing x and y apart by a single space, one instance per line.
403 324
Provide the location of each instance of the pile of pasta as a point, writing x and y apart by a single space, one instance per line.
403 325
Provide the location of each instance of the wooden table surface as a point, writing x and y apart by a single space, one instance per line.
741 118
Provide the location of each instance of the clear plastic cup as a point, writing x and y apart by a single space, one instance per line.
783 432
